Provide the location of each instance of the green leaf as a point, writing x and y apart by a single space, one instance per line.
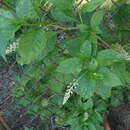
109 78
109 81
71 65
44 114
63 16
97 117
103 91
91 126
8 27
62 4
86 87
50 45
97 18
98 127
124 75
24 102
31 45
26 10
88 104
108 57
83 27
45 102
57 100
92 5
92 65
73 45
86 48
6 14
57 81
94 45
75 124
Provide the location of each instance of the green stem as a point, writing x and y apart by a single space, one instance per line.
50 25
80 17
104 42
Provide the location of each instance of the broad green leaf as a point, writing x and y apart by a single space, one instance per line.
98 127
44 114
73 45
11 2
85 128
86 48
71 117
6 14
31 45
88 104
96 118
45 102
103 91
109 78
50 45
32 72
75 124
51 40
63 16
91 126
62 4
93 65
57 82
37 3
25 10
71 65
83 27
92 5
124 75
108 57
8 27
86 87
97 18
109 81
94 45
57 99
24 102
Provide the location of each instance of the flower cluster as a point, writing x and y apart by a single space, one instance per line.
86 116
70 90
12 47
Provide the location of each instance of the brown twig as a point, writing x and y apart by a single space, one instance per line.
4 123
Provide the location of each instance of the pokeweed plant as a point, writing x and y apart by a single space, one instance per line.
74 56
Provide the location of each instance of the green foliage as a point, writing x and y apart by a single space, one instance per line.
62 16
86 87
71 65
92 5
97 18
26 10
108 81
8 27
108 57
86 48
31 45
74 57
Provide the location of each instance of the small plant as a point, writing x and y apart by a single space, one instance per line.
74 77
